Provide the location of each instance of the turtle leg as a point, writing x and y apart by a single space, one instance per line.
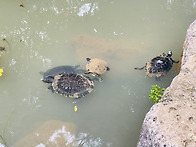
100 78
50 87
94 79
76 100
87 73
91 73
88 59
158 78
138 68
97 76
174 61
80 96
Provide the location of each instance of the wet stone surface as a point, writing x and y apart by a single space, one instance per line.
172 122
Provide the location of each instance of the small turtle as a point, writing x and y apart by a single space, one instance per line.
70 85
96 67
158 66
60 69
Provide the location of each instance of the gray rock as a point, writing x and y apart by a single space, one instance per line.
172 122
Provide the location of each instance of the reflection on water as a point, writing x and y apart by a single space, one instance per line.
126 34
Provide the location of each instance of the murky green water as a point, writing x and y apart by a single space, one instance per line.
125 33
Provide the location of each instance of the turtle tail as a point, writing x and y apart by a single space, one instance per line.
139 68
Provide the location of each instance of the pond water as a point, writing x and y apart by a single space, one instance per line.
125 33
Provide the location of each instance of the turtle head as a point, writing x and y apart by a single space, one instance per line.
169 54
48 79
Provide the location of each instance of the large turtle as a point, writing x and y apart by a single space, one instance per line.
60 69
70 84
96 67
159 66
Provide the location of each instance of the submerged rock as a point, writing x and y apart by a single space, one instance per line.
52 133
172 122
90 46
119 53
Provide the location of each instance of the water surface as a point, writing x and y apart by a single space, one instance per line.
48 33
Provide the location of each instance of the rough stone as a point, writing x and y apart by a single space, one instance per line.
172 122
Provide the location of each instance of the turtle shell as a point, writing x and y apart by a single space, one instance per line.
59 69
49 74
72 85
158 66
96 65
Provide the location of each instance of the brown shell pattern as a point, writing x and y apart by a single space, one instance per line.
72 85
155 69
153 73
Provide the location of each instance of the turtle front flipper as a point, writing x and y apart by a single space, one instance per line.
87 73
91 73
76 100
100 78
51 88
158 78
95 75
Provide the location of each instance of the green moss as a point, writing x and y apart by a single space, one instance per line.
156 93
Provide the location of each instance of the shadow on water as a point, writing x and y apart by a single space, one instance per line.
45 34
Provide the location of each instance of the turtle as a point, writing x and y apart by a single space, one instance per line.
61 69
159 66
96 67
70 85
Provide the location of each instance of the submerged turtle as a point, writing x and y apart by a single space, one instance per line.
159 66
60 69
96 67
70 85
